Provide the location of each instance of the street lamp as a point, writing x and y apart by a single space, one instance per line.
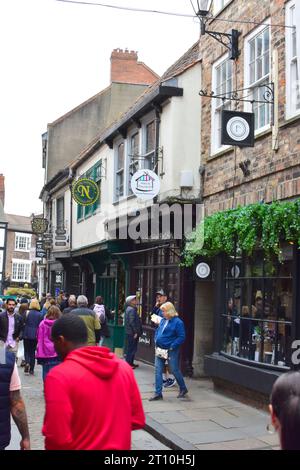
229 40
204 7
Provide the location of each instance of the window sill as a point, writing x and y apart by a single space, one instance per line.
124 199
290 120
220 153
21 251
263 132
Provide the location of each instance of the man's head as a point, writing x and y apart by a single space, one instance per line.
82 301
10 305
68 333
48 296
161 297
131 300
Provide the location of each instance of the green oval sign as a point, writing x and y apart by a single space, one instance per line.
85 192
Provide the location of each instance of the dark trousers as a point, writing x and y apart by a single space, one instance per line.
48 365
29 352
132 345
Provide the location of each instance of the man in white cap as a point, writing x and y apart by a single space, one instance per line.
133 329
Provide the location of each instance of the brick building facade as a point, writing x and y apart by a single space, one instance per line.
269 57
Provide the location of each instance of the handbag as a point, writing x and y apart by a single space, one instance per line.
162 353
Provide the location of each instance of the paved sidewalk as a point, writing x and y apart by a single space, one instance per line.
203 420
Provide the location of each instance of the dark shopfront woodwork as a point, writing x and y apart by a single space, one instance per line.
256 318
159 269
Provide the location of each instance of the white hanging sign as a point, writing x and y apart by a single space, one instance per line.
145 184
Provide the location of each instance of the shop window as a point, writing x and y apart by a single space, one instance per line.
257 314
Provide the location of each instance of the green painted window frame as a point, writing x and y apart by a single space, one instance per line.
95 174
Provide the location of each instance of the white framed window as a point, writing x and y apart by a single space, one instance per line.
133 155
22 242
218 5
222 84
148 144
21 270
292 59
120 170
258 74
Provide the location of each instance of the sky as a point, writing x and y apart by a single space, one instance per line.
56 55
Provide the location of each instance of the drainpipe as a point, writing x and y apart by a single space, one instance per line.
157 136
71 178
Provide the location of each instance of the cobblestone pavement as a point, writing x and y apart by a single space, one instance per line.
32 391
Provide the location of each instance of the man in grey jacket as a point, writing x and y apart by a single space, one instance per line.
133 329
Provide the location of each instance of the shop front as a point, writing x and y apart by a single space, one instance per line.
256 318
156 267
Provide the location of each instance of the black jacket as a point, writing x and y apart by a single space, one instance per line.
133 324
6 370
19 326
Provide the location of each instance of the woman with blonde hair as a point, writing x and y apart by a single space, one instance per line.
32 321
46 354
169 336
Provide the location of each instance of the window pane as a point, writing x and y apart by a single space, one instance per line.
121 156
150 137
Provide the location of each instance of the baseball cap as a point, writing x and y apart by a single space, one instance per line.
130 298
160 292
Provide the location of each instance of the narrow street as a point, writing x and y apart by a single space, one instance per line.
32 391
205 420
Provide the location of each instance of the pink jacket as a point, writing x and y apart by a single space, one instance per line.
45 347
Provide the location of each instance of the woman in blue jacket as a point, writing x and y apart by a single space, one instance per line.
169 336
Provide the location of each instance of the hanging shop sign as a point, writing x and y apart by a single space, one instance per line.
145 184
85 192
39 225
238 129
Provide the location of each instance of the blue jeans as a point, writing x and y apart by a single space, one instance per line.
132 345
173 361
47 366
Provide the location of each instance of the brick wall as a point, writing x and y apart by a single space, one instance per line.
275 174
125 68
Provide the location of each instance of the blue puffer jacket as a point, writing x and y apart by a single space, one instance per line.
172 336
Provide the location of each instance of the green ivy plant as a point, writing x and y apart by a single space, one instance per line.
256 226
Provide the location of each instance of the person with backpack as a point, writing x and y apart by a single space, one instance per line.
102 312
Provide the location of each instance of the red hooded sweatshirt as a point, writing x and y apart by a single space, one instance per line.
92 402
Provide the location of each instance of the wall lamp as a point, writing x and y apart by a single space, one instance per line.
229 40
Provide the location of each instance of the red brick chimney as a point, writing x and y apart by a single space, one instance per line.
125 68
2 189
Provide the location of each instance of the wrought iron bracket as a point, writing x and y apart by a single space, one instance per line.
268 96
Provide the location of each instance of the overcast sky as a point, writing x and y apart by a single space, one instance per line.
56 55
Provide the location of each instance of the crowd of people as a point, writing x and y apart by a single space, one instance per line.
65 335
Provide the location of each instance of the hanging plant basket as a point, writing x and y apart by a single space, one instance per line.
249 228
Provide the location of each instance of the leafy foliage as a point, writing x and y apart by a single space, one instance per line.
247 228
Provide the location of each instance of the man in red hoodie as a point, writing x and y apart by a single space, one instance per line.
92 398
